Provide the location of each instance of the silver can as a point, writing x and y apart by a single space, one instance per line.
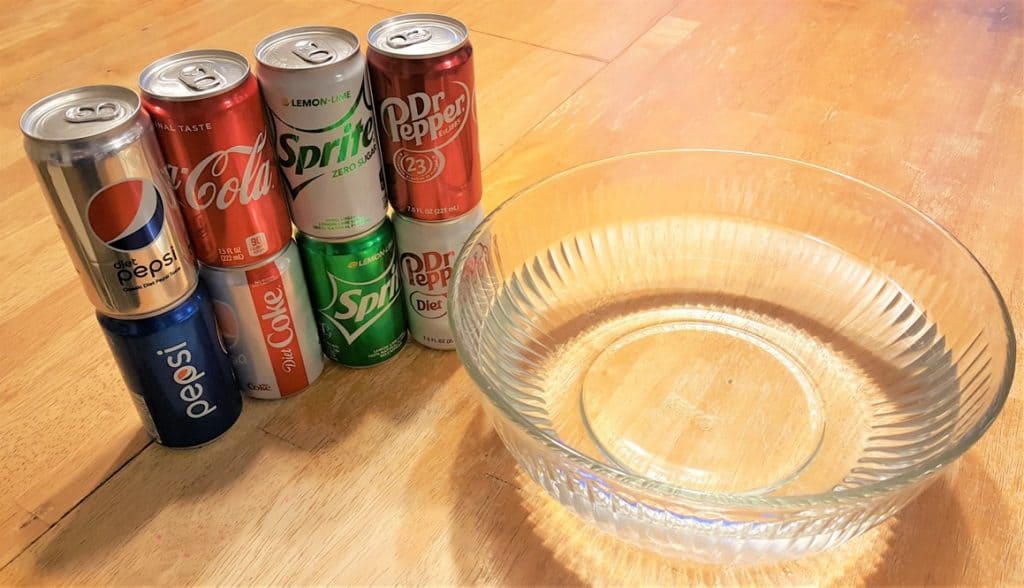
103 176
267 324
427 252
315 85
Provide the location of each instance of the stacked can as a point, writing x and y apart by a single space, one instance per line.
102 172
421 68
210 122
315 84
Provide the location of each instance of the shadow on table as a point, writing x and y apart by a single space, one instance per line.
492 538
929 545
528 538
213 490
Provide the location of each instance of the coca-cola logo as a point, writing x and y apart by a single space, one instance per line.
423 124
278 330
210 183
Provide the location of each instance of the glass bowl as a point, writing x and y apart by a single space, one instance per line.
725 356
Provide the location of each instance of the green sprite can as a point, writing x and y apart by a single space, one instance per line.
357 294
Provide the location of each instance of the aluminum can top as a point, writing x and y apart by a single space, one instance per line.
80 113
418 35
194 75
306 48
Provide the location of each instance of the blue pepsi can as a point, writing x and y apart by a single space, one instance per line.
177 371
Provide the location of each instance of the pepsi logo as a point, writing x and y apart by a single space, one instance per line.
228 323
128 215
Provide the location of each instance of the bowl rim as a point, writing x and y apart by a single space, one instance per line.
664 490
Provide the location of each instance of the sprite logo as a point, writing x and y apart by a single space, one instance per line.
356 306
343 146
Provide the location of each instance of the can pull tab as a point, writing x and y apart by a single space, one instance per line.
200 76
310 52
408 37
92 112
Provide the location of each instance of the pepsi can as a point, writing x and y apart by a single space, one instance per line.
177 372
98 161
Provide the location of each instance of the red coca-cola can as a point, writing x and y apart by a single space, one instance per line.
209 120
421 70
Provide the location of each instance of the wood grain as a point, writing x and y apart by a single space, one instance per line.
392 475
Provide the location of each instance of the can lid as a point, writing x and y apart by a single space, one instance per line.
418 35
79 113
306 47
192 75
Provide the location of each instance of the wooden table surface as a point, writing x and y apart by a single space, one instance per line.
392 475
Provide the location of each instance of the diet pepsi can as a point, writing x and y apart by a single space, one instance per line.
267 324
103 175
315 85
177 372
426 260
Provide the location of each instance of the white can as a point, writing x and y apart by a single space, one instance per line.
266 322
315 85
427 252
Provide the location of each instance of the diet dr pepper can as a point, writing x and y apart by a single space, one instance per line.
209 119
177 372
267 324
426 260
314 81
103 176
357 297
421 68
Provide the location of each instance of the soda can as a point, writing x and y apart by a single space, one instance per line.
177 372
267 324
103 176
209 119
421 68
426 260
314 81
356 295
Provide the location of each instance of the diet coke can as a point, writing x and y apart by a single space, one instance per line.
314 81
267 324
421 68
103 176
209 118
426 260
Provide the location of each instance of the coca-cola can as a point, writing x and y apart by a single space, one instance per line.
314 81
102 174
426 260
421 68
267 324
209 119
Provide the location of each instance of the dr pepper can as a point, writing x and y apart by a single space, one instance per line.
421 68
426 261
103 176
209 119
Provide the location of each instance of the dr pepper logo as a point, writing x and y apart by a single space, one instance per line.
424 123
426 276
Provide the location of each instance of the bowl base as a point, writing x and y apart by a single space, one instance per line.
658 404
